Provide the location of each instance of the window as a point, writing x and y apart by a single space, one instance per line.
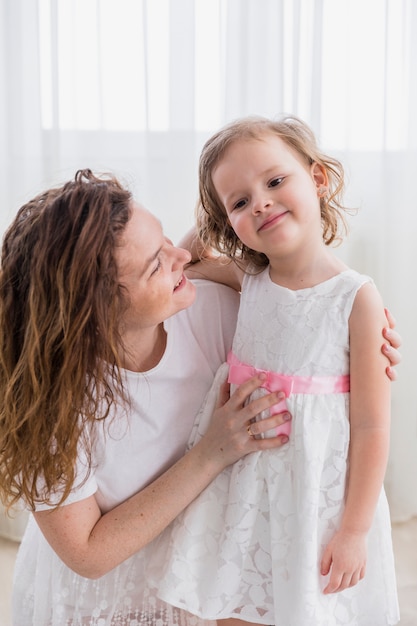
160 65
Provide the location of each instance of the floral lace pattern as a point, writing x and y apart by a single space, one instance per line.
250 546
56 596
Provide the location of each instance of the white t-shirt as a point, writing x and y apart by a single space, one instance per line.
134 447
131 450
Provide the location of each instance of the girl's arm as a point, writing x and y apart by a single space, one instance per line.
345 556
92 543
207 264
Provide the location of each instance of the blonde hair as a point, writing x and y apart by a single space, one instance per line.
213 227
60 305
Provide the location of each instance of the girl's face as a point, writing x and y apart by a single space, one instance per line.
270 195
151 269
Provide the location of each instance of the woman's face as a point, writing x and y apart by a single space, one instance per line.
151 269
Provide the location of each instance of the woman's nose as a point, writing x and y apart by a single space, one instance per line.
181 256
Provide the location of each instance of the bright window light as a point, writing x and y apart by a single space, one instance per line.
119 66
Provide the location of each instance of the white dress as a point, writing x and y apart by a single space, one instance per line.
250 545
130 452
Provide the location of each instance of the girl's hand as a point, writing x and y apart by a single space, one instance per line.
390 349
345 559
232 434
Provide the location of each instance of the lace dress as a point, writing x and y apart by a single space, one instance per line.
250 545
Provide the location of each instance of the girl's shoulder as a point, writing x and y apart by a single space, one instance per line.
254 274
353 277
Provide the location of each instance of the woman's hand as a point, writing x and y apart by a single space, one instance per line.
390 349
92 543
232 433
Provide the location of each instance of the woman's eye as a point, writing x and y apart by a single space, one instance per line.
157 267
275 182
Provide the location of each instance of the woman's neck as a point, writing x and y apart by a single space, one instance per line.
144 349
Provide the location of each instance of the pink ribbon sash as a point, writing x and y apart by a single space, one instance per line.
241 372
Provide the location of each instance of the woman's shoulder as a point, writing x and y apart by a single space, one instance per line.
210 322
213 299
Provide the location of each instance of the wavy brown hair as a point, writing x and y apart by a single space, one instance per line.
60 302
213 227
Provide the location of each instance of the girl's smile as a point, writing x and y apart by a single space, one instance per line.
270 195
272 221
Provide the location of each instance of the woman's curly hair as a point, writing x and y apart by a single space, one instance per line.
213 227
60 303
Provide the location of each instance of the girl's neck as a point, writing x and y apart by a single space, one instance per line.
302 273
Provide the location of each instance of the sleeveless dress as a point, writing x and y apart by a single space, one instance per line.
250 545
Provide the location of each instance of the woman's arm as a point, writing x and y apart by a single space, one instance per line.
92 544
369 442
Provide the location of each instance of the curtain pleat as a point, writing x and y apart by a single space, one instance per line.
138 89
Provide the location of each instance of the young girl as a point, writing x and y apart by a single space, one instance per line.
298 536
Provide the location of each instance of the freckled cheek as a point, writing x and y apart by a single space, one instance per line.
149 303
158 301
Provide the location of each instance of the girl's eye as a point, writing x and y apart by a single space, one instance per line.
240 204
275 182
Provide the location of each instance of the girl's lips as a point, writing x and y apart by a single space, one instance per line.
271 221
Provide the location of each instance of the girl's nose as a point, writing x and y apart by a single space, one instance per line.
260 204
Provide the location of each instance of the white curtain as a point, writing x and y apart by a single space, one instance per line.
137 86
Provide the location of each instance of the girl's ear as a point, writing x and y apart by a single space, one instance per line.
321 180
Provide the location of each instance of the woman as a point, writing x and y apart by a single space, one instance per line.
103 366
